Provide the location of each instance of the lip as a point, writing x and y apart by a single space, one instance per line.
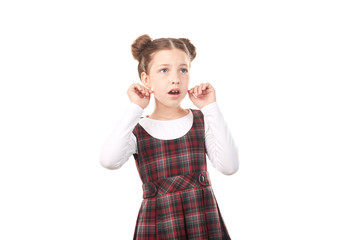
175 89
174 96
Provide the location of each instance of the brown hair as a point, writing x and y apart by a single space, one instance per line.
144 47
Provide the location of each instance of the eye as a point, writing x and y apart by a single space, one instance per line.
164 70
184 70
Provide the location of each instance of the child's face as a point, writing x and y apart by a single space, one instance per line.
168 76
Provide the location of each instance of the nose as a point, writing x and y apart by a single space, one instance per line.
175 82
174 78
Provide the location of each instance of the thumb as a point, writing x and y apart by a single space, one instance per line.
191 96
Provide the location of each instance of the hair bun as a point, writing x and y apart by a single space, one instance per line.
139 45
191 48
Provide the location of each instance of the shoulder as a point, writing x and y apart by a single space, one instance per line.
198 119
137 129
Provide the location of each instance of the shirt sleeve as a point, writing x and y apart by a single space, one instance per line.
220 145
121 144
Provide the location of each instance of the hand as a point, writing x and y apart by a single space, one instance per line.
202 95
139 95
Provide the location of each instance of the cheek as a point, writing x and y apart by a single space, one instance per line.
186 81
158 86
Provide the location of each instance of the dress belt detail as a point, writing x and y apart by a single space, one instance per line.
175 184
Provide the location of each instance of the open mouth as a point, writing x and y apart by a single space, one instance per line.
174 92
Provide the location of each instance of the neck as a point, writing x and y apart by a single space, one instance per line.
162 112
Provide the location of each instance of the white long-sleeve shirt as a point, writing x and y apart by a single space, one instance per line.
220 147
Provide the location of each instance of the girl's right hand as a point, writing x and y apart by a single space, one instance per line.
139 95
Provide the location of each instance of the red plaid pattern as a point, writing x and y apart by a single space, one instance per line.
179 202
176 184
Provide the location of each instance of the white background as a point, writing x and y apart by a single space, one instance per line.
287 80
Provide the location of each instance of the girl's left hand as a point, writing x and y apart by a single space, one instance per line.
202 95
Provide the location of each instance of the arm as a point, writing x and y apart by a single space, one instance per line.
121 144
220 146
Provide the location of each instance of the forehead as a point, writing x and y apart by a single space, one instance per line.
172 56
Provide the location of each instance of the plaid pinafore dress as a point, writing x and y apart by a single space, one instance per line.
179 202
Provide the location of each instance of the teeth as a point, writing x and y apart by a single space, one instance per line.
174 92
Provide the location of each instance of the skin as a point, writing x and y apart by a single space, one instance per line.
169 69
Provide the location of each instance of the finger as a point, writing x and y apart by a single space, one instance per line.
211 87
139 87
148 92
205 86
145 91
142 90
200 89
196 90
192 96
134 86
192 90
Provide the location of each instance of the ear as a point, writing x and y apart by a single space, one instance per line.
145 80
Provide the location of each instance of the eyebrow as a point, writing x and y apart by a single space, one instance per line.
166 65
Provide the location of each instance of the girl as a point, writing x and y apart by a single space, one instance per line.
170 145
